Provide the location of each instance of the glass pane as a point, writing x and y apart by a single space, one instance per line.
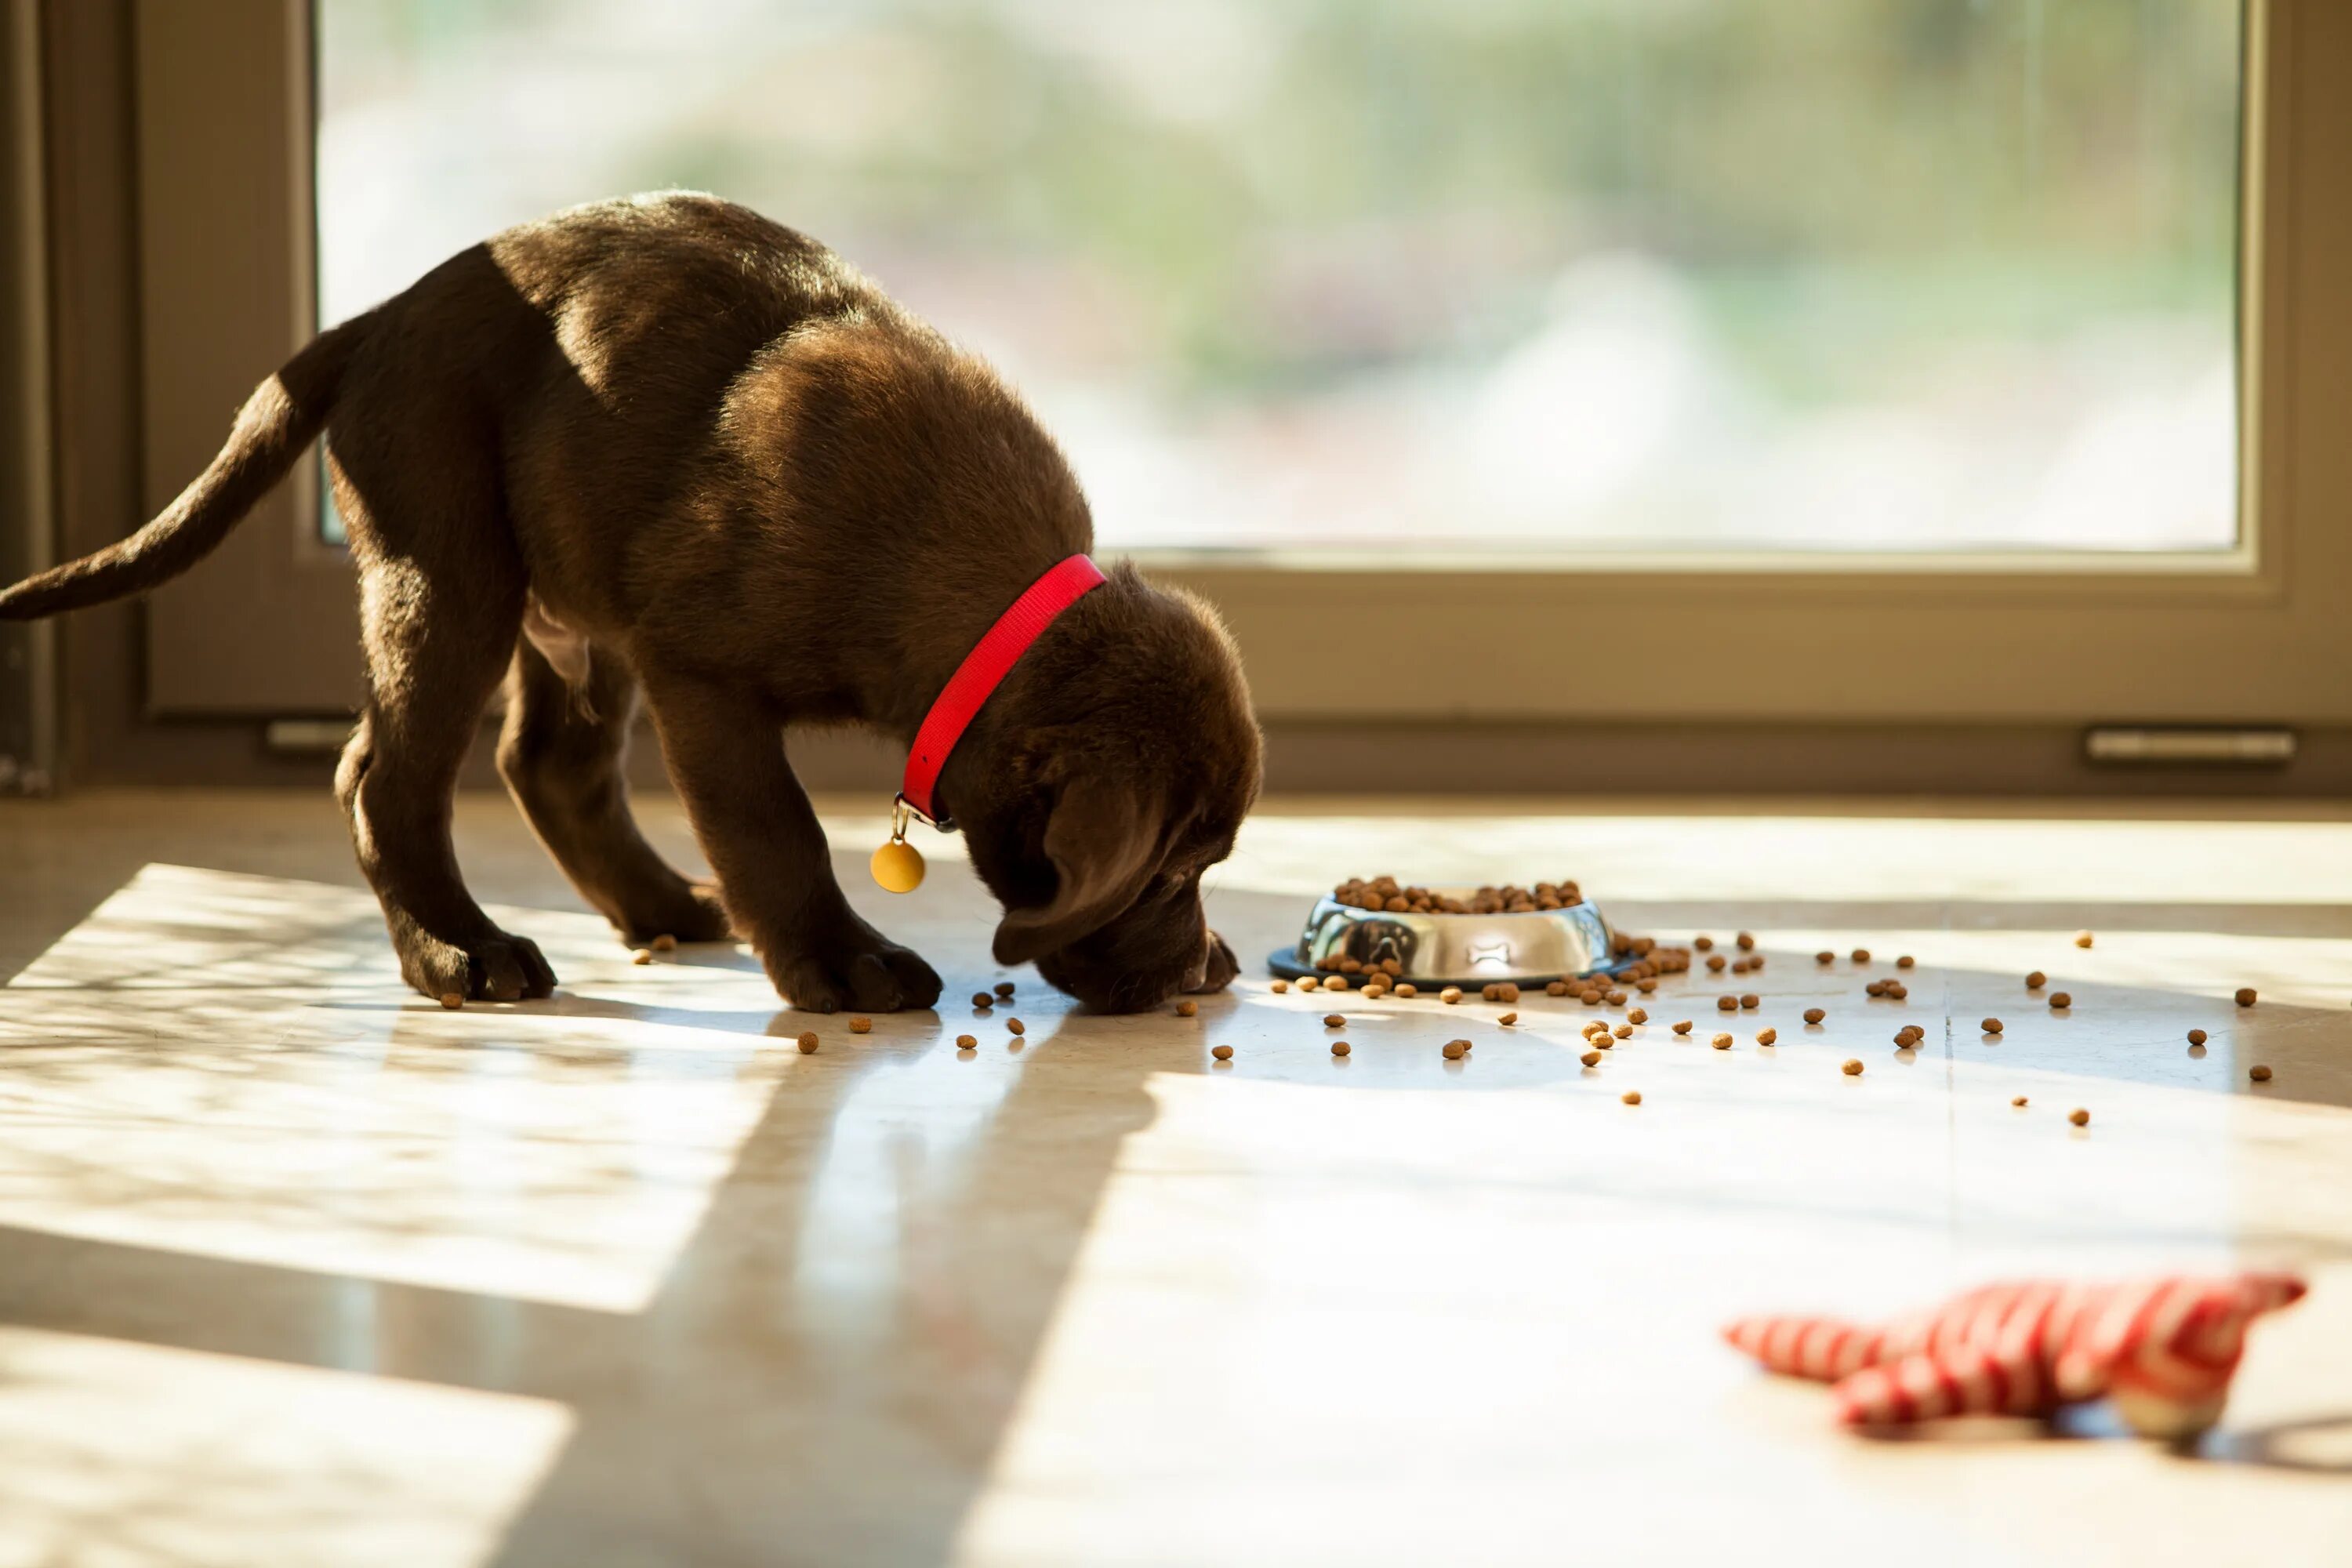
1381 278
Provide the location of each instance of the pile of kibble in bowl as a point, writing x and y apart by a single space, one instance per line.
1386 894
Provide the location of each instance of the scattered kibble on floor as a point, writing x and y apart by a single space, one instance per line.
1746 940
1338 1048
1004 988
808 1042
452 1001
2259 1074
1703 943
1750 1000
1334 1021
1991 1025
1450 996
1631 1097
967 1042
1222 1053
1682 1027
1187 1008
2060 999
1862 955
664 943
983 999
1726 1004
1015 1025
1853 1068
2245 995
2036 981
866 1026
1814 1015
1508 1019
2196 1036
1767 1037
1280 987
2083 939
1590 1059
1721 1042
1407 988
2079 1116
1637 1017
1453 1050
1825 956
641 955
1335 982
2019 1102
1904 962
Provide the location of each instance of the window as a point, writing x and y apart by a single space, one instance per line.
1438 281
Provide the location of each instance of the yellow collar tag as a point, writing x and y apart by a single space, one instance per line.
897 866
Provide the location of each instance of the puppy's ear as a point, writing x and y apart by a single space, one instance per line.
1104 840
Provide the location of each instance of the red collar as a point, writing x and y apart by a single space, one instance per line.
984 669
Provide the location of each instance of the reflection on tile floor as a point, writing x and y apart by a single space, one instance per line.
295 1266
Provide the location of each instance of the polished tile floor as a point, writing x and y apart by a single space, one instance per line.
296 1268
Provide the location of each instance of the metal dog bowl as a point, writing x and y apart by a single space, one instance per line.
1455 950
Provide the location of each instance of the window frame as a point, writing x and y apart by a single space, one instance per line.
2253 635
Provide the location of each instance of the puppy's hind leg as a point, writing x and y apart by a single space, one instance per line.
440 605
563 751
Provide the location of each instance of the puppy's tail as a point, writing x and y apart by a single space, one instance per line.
284 416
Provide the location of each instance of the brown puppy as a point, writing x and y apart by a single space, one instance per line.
666 441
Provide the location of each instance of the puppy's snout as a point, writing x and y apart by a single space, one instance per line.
1216 969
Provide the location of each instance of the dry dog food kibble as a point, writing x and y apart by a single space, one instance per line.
1631 1097
2019 1102
1407 988
1991 1025
1853 1068
1862 955
1905 962
452 1001
1334 1021
1015 1025
664 943
2060 999
1590 1059
2196 1036
1502 992
2259 1074
1338 1048
1703 943
1004 988
1825 956
2079 1116
641 955
1385 893
1453 1050
1637 1017
1450 996
1726 1004
983 999
2083 939
2245 995
1623 1031
866 1026
808 1043
1615 998
967 1042
1766 1037
1187 1008
2036 981
1746 940
1814 1015
1684 1028
1750 1000
1280 987
1507 1019
1715 962
1721 1042
1335 982
1222 1053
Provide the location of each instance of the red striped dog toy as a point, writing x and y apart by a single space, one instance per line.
2164 1350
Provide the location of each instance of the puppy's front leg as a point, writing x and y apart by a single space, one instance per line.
754 821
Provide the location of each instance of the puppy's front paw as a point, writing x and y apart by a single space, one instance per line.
1218 968
494 967
866 972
